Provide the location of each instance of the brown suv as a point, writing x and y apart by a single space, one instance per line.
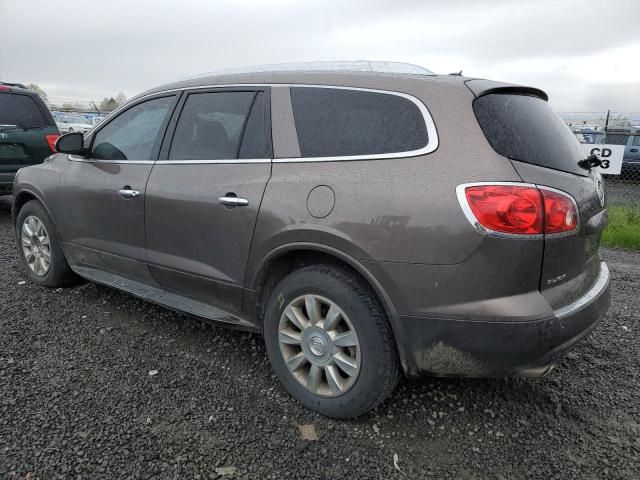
366 222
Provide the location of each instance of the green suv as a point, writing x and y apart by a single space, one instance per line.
28 132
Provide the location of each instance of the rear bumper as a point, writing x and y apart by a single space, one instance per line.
6 182
456 347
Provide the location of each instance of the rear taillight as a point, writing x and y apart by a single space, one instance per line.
51 140
509 209
560 211
4 88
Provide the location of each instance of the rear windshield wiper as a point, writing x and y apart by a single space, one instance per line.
590 162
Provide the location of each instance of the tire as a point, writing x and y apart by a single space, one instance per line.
375 355
58 274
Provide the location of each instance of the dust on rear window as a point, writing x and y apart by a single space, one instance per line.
525 128
20 110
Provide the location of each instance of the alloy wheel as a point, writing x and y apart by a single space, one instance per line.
36 246
319 345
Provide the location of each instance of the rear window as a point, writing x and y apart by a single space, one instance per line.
335 122
526 129
20 110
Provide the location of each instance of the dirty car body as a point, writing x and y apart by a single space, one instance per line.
215 236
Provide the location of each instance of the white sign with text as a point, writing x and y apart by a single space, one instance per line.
611 156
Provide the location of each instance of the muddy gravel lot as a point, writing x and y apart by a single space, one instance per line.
77 400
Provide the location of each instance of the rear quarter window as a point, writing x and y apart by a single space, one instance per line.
20 110
333 122
525 128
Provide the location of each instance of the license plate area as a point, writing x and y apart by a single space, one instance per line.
12 151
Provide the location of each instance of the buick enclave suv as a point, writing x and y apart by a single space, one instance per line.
366 221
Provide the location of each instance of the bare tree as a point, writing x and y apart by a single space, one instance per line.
39 90
108 104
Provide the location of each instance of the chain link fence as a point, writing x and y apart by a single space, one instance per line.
618 129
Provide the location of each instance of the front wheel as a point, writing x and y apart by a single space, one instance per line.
39 248
329 342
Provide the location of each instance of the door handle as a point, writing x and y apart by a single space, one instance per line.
127 192
634 150
233 201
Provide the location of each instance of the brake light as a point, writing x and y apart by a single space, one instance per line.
517 209
560 211
4 88
51 140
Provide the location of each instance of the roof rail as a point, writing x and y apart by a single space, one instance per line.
347 66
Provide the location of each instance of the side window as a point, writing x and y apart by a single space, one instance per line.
133 134
211 126
636 141
256 141
342 122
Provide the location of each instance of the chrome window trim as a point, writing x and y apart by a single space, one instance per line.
218 161
76 158
464 204
597 288
432 133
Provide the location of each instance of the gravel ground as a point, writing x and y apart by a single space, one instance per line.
77 400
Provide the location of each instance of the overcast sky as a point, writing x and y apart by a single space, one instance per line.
584 53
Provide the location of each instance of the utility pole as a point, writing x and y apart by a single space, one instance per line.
606 123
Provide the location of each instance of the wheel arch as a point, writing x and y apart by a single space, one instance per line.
287 258
21 198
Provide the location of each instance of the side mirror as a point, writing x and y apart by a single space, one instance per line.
72 143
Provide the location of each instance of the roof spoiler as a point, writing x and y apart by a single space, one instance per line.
485 87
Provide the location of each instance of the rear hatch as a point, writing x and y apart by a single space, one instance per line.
520 125
26 131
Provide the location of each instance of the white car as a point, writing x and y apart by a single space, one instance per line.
69 123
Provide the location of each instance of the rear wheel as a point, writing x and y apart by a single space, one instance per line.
329 342
39 248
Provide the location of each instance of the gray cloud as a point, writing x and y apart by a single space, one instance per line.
86 50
